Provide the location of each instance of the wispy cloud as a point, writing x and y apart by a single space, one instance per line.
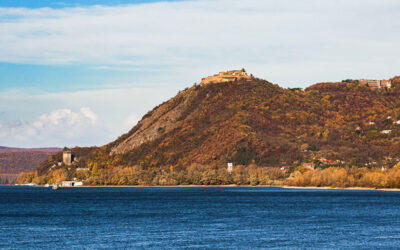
60 126
87 117
271 37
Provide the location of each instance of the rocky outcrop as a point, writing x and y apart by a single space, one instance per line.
157 122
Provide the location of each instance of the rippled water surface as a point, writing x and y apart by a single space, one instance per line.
197 218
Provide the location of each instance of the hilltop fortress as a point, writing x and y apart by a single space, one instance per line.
376 84
227 76
234 75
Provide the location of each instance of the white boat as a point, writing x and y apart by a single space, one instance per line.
55 186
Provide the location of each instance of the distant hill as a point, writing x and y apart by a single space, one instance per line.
10 149
252 121
16 160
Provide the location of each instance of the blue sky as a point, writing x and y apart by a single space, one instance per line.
37 76
94 68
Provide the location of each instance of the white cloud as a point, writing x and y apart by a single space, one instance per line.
60 127
66 120
46 121
284 41
130 121
88 113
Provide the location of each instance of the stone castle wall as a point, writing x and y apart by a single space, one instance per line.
67 157
227 76
376 84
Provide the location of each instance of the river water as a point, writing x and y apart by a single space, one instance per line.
197 218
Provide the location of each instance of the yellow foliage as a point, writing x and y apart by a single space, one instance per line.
343 177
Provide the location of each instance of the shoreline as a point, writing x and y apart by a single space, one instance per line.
339 188
268 186
231 185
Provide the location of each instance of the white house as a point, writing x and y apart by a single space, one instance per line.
230 167
71 183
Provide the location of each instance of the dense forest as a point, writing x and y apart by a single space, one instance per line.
341 177
258 126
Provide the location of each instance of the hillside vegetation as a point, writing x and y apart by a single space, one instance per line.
16 160
254 124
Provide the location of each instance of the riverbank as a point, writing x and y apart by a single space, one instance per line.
286 187
147 186
233 185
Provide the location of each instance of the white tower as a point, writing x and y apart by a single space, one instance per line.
230 167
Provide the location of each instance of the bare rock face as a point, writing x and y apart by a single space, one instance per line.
157 122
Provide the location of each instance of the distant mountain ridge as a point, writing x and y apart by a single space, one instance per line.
12 149
13 161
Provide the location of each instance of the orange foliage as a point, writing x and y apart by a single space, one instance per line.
347 177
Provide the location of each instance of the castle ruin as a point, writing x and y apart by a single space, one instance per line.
376 84
67 157
227 76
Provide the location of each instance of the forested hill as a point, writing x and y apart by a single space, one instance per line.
254 121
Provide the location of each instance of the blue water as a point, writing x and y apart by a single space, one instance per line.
197 218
